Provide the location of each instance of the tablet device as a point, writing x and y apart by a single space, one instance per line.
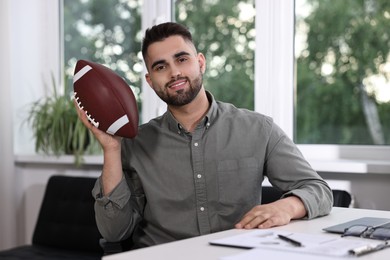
365 221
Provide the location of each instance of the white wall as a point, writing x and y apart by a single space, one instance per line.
369 191
7 177
29 52
35 54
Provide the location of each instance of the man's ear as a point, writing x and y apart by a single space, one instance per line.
147 78
202 62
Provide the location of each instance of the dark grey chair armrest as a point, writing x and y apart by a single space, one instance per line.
110 248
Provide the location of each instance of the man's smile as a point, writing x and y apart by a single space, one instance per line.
178 84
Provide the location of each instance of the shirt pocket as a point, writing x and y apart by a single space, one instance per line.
239 181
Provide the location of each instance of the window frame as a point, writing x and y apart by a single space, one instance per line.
274 61
153 12
275 20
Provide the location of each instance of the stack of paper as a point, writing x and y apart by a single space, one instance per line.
270 242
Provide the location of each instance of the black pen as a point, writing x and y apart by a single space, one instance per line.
291 241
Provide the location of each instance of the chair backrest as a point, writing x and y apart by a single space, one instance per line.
341 198
66 218
270 194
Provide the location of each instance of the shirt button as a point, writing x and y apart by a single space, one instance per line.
196 144
201 208
199 176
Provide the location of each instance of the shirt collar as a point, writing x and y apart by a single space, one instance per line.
174 125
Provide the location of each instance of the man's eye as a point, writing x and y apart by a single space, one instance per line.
159 68
182 59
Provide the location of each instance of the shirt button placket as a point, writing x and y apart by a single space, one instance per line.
200 185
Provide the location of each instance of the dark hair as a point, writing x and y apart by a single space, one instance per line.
162 31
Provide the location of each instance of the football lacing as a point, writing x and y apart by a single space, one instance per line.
89 116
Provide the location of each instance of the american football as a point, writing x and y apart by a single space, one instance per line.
106 98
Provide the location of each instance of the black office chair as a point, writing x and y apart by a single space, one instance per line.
341 198
66 227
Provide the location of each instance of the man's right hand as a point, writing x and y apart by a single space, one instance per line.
112 167
107 141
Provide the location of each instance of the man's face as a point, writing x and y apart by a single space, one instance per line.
175 70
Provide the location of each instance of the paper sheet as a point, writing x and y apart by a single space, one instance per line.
260 253
319 244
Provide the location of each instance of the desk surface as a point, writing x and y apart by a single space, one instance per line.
199 248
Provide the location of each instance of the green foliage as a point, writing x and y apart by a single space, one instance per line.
354 39
57 129
106 32
227 42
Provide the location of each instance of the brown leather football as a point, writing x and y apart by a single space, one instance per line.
106 98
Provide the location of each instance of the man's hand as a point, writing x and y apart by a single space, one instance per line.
112 167
107 141
277 213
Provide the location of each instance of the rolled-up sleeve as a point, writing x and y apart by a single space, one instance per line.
114 213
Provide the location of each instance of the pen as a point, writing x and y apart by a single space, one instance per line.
291 241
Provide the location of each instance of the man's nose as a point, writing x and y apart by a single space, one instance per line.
175 71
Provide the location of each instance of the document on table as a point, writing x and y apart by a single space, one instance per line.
260 253
319 244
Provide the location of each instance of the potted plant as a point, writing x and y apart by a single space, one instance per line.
57 129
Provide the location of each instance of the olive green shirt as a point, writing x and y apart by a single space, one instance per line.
179 184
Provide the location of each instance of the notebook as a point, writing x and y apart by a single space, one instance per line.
366 221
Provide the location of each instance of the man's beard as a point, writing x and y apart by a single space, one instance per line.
183 97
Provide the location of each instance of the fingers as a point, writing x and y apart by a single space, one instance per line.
253 219
106 140
273 214
83 117
258 222
263 216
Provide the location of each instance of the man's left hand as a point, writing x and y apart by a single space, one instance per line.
277 213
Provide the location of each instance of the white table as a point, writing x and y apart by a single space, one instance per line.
198 247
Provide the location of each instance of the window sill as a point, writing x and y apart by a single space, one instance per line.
320 165
351 166
348 158
89 160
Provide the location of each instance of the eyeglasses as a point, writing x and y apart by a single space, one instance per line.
381 233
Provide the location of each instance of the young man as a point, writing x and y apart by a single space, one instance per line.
198 168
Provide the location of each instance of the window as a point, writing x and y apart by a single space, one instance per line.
224 31
274 92
107 32
343 72
251 62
